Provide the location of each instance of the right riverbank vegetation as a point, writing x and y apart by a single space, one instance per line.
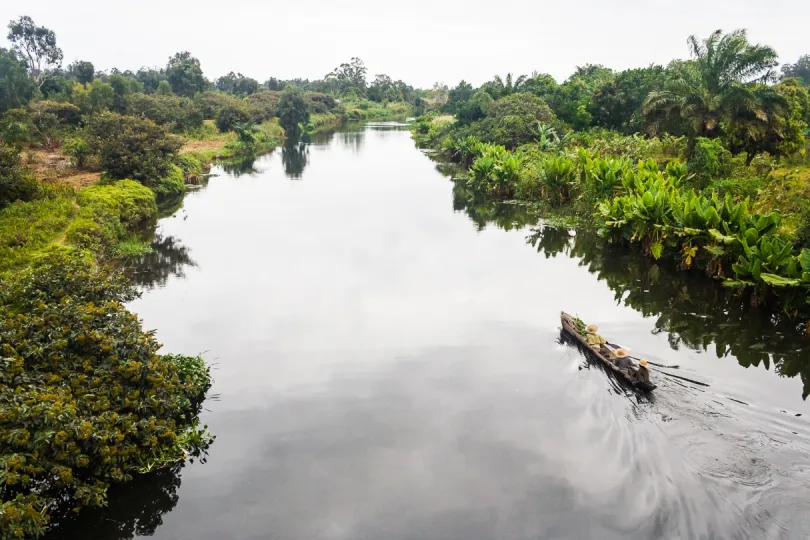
704 161
88 160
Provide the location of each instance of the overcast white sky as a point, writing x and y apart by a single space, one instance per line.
419 41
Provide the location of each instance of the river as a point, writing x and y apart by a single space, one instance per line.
389 364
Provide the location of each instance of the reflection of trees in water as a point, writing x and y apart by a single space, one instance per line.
354 140
168 258
135 508
294 157
245 165
505 216
693 311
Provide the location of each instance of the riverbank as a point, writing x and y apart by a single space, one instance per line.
744 225
431 313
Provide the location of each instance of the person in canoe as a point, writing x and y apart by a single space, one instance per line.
621 359
592 338
642 373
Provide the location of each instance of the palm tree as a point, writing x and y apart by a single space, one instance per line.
714 86
507 87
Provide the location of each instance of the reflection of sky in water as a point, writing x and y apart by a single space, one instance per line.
387 370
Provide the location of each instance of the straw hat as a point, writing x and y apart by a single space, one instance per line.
592 328
620 353
643 363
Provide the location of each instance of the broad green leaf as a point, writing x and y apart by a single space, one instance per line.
751 236
756 270
720 237
804 259
717 251
657 249
779 281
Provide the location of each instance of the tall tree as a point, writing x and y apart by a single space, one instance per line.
618 102
712 88
499 88
349 77
800 70
292 111
37 44
237 84
150 78
185 74
82 71
776 126
16 87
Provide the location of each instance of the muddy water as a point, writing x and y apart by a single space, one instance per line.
389 364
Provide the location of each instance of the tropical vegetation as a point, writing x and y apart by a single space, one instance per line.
691 162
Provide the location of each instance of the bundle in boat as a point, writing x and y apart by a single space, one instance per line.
615 359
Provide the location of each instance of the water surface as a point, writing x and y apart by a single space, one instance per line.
389 364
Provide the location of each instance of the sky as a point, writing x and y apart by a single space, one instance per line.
418 41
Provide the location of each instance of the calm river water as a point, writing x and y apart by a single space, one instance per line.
389 365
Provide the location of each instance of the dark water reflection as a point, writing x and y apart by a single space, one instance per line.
388 369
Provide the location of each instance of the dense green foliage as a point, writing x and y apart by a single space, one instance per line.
716 131
184 74
86 399
230 115
16 88
15 183
292 111
130 147
109 213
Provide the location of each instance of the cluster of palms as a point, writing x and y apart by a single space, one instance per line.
722 91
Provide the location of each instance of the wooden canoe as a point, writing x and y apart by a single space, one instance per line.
627 375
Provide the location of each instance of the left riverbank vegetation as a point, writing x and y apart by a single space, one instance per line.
704 161
87 160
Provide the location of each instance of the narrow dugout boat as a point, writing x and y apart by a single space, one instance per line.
603 353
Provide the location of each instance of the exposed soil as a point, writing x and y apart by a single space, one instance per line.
54 167
202 146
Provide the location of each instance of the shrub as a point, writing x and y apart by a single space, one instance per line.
231 115
17 128
178 114
172 186
738 188
192 168
87 401
211 102
262 106
16 184
79 150
527 106
710 159
512 121
292 111
323 104
27 228
65 113
131 147
130 202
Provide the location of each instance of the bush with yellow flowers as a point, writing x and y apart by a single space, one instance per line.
85 400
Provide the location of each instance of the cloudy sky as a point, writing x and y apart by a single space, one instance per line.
419 41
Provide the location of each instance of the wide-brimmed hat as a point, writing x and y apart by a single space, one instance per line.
620 353
592 328
643 363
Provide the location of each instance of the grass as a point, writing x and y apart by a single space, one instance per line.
29 229
371 110
789 192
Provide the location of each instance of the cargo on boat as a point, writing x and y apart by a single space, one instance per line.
605 354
